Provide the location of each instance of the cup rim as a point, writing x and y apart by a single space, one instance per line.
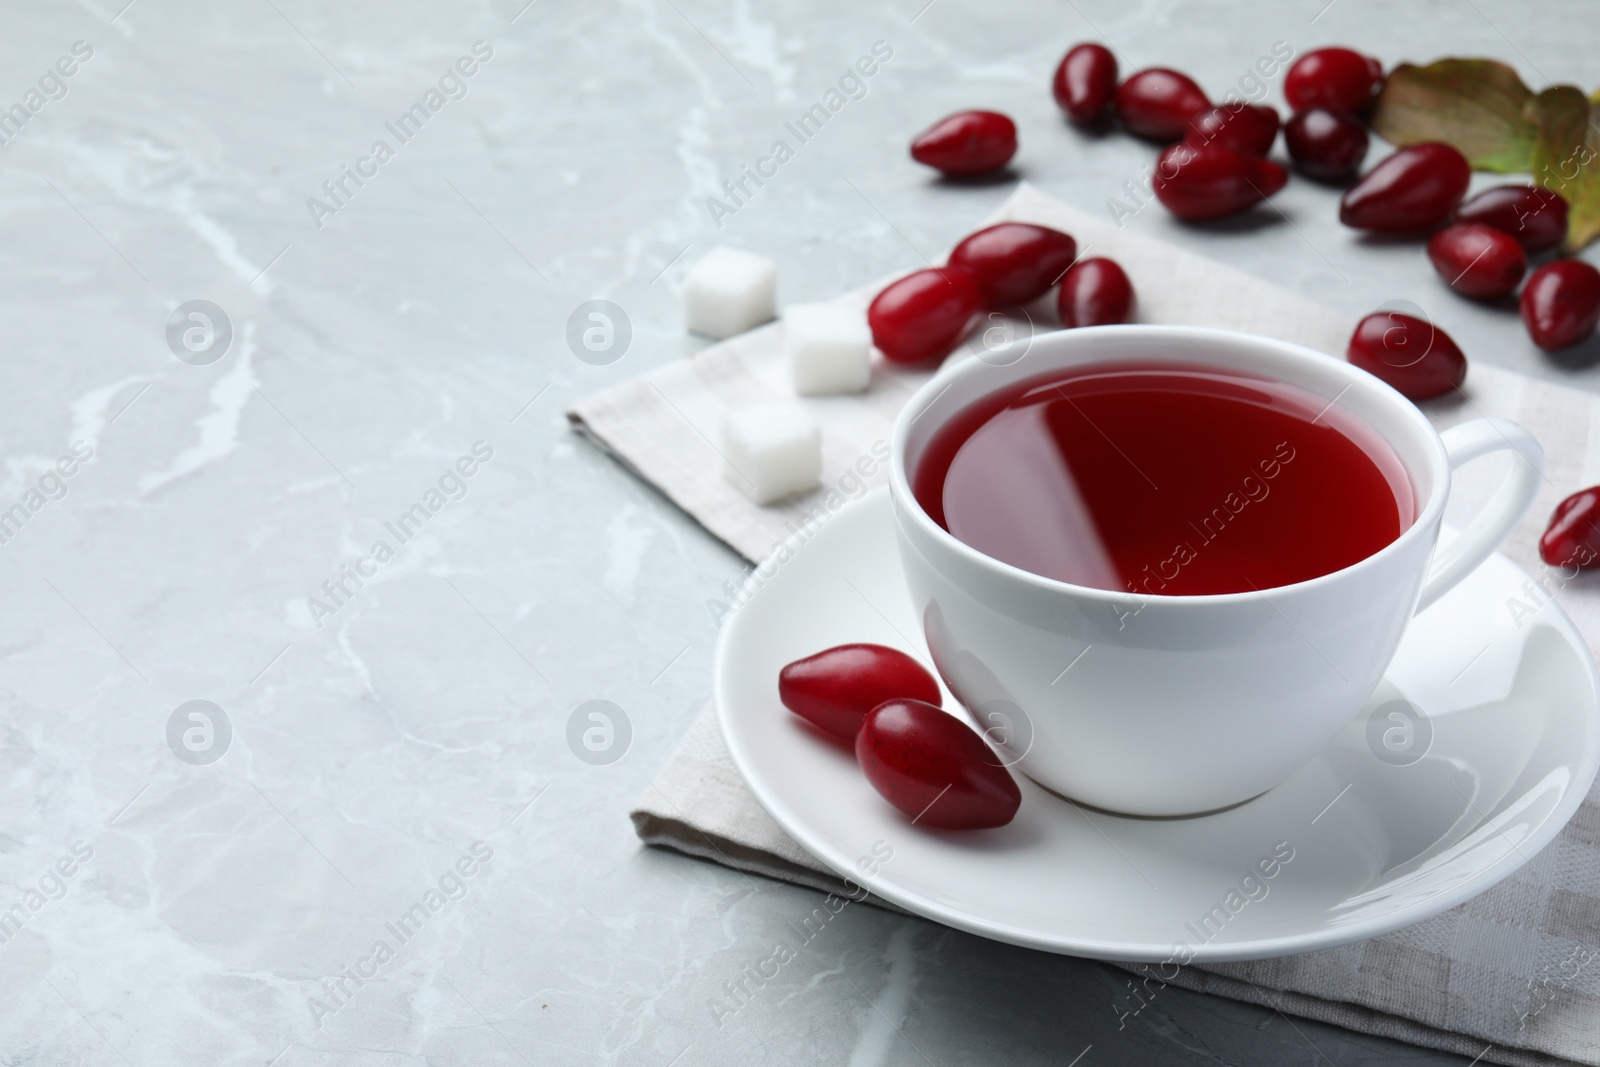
907 504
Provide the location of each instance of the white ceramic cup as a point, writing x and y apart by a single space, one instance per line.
1171 705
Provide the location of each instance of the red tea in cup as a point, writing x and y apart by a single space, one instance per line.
1165 479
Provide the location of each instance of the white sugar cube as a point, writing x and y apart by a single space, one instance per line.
773 450
828 349
729 292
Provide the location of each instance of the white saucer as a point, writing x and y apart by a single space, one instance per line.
1514 714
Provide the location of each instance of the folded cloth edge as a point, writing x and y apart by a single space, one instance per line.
672 832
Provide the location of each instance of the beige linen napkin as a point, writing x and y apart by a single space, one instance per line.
1517 969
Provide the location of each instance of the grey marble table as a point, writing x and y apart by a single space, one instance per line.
371 842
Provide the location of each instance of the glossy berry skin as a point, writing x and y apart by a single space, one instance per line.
1415 357
1414 189
1536 217
1326 145
923 315
1014 262
935 768
834 689
1334 78
1250 128
1199 184
1158 104
967 143
1084 82
1095 292
1476 260
1573 537
1561 303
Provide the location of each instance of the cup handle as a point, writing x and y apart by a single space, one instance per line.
1489 527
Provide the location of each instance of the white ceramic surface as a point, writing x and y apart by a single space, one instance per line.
1506 716
1203 685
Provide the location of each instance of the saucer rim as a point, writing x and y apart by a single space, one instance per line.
1150 952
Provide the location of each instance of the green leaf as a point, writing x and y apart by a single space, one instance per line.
1477 105
1566 157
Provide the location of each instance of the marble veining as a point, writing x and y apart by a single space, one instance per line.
217 901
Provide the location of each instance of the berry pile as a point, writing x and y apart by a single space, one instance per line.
886 707
1214 164
925 314
1329 90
